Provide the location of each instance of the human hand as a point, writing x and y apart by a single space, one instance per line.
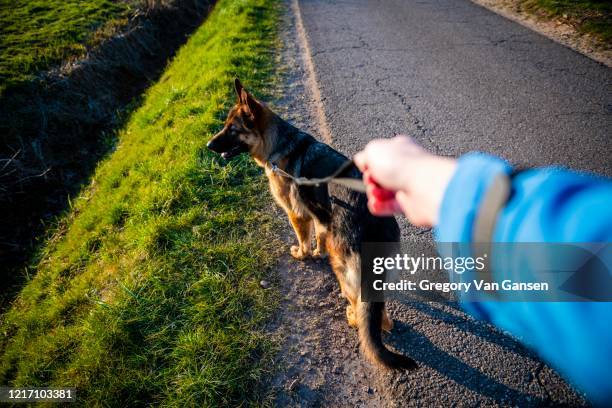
401 177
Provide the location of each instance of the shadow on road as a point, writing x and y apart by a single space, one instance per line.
427 353
477 328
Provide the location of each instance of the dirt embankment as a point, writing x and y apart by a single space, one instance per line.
55 129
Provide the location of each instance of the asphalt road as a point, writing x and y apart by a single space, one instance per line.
457 77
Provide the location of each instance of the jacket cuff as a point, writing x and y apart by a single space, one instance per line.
473 176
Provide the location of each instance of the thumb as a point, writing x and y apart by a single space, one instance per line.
360 160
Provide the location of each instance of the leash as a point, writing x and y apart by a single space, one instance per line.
352 183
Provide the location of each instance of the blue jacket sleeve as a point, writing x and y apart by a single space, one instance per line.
547 205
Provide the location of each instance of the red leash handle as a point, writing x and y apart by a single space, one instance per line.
379 192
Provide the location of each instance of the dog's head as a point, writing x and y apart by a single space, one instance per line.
243 129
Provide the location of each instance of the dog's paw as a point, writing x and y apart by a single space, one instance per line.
297 252
350 316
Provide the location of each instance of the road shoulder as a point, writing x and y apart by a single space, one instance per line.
318 361
555 30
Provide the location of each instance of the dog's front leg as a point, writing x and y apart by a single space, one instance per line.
303 227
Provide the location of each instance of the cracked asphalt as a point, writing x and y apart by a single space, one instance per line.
458 78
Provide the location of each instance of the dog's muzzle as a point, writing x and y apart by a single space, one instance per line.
227 152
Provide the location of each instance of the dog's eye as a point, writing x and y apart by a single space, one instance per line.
234 130
248 123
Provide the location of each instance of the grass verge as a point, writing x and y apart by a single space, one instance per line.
588 16
148 291
37 33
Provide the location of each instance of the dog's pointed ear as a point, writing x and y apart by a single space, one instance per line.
252 104
244 97
239 88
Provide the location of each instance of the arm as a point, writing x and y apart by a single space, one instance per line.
546 205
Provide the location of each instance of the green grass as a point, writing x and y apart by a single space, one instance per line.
35 34
148 291
589 16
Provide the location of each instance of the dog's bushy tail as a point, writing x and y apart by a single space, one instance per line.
370 317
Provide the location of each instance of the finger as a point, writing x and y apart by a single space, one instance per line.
360 160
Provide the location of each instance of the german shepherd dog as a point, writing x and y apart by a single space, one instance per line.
340 216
